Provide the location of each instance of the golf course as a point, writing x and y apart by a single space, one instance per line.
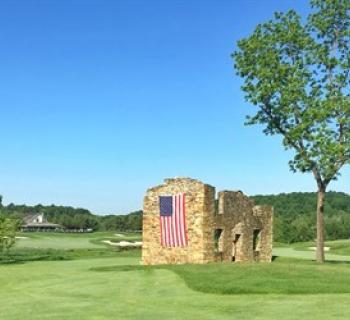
80 276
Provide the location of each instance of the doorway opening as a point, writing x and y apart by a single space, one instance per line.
256 243
219 243
235 243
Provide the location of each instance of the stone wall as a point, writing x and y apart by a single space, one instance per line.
234 231
247 229
234 218
264 217
200 199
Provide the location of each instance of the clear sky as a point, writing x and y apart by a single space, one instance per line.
100 100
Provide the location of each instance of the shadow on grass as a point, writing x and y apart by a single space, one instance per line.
7 262
336 262
23 259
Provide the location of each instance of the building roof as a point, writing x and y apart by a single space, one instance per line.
30 217
31 221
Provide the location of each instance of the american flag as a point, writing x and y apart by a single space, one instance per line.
173 221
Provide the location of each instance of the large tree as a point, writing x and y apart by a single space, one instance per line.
297 74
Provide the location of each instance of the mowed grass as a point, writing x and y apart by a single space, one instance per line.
338 247
284 276
65 246
65 241
71 290
118 287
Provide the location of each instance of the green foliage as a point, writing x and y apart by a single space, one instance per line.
294 215
130 222
8 228
297 74
77 218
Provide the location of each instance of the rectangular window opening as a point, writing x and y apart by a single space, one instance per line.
256 244
235 246
218 240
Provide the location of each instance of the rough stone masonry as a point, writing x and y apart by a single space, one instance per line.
229 228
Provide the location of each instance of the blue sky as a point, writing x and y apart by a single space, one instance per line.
100 100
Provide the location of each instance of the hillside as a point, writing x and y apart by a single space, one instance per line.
295 215
295 203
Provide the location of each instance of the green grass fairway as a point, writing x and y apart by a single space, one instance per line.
71 240
57 242
287 276
117 287
339 250
66 246
337 247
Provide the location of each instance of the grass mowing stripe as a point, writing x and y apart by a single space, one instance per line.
284 276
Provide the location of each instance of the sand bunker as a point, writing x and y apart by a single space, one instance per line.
314 248
16 237
123 243
120 235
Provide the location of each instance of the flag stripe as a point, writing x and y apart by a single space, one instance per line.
173 230
181 223
161 230
176 219
176 225
168 230
184 217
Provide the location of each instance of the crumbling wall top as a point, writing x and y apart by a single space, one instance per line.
178 181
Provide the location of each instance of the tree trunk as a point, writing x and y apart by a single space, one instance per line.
320 226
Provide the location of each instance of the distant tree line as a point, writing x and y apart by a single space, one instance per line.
75 218
294 217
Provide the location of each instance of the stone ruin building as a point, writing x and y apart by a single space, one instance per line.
229 228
